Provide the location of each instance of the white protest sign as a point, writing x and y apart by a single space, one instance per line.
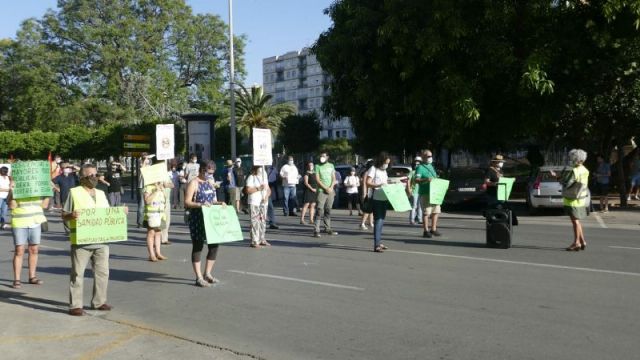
165 143
262 147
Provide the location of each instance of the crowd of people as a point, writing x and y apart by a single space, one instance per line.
193 185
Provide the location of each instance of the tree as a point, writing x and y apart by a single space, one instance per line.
255 111
300 133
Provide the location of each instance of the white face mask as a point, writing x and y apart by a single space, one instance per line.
500 165
194 160
429 160
67 171
290 162
384 166
323 159
259 171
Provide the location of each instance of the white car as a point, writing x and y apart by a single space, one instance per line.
398 174
545 192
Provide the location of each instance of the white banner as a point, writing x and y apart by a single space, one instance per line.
262 147
165 142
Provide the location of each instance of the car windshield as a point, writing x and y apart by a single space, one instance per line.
398 171
466 177
545 176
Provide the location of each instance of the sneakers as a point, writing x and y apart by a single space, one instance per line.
316 234
363 227
274 227
435 233
426 234
332 233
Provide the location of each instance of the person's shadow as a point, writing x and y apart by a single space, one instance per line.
20 298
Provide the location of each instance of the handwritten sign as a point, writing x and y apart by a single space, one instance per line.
100 225
262 147
221 224
505 185
397 196
437 191
154 174
32 179
165 141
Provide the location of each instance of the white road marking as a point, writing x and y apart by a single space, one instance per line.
624 247
600 221
298 280
462 257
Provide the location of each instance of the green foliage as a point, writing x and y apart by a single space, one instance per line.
338 149
300 133
254 110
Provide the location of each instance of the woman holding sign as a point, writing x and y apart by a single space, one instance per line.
201 192
492 177
26 219
376 178
155 218
258 192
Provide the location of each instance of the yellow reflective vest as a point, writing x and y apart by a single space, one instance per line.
581 174
156 204
82 200
28 213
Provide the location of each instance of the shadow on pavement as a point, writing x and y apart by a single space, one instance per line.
19 298
122 275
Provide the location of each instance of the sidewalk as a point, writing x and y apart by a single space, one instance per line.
33 327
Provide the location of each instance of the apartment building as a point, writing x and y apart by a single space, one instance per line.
296 77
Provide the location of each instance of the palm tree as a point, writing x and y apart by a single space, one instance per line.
255 111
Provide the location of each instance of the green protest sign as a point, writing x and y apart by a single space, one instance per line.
32 179
505 184
437 191
397 196
221 224
100 225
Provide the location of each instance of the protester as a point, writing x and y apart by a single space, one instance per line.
155 219
603 176
240 183
201 193
192 169
310 194
337 186
145 161
64 183
114 178
415 215
376 178
273 181
27 217
271 214
575 204
425 173
6 184
183 183
257 189
55 171
492 177
290 178
635 177
169 189
326 179
231 191
352 183
84 197
174 175
367 210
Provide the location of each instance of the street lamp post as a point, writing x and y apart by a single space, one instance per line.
232 117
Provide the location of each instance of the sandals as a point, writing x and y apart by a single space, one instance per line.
16 284
383 246
153 259
265 243
255 245
378 249
161 257
35 281
210 279
202 283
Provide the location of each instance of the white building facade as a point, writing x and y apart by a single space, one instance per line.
297 78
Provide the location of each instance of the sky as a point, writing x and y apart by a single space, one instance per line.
272 27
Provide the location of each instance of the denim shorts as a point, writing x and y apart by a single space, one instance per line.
22 236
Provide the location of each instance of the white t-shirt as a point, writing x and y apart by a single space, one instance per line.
352 183
378 177
4 184
290 175
256 197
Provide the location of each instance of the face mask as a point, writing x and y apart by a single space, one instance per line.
238 164
353 173
429 160
89 182
290 162
194 160
58 161
500 165
259 171
66 171
173 169
209 176
323 159
384 166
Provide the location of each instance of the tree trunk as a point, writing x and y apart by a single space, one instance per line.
622 183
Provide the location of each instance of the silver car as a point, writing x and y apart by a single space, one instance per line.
545 192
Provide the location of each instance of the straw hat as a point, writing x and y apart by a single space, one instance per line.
229 162
498 158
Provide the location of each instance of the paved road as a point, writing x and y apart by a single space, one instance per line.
332 298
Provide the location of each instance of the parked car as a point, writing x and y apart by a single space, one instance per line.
398 174
545 192
466 186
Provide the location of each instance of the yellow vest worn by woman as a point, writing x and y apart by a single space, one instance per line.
28 213
581 174
156 205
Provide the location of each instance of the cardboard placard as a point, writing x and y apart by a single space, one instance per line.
32 179
437 191
504 187
165 141
262 147
154 174
101 225
397 196
221 224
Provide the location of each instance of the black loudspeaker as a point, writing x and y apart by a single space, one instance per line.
499 228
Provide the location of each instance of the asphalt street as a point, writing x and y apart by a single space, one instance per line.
333 298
